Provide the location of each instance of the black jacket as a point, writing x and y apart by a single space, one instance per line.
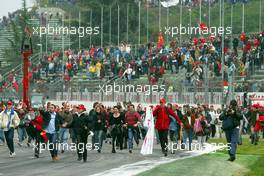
46 117
80 123
230 120
98 125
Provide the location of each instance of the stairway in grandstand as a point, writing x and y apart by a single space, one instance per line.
9 92
5 34
55 42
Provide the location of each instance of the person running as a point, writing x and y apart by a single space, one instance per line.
64 132
161 112
80 125
9 120
132 120
231 122
188 124
51 125
99 123
199 129
116 123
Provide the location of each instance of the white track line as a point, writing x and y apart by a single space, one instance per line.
141 166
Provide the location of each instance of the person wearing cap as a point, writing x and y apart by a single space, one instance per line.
51 125
161 112
9 120
231 121
81 127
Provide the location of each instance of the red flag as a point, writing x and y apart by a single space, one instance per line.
203 27
243 37
160 41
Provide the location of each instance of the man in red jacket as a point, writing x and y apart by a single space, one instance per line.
161 112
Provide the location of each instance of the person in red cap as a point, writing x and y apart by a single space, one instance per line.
254 116
161 112
9 120
81 127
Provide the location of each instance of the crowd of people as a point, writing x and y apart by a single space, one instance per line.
121 125
154 60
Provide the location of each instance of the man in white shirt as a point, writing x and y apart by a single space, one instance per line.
9 120
214 120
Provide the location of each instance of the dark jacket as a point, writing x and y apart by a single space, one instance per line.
80 123
46 117
186 123
230 120
66 117
252 117
99 117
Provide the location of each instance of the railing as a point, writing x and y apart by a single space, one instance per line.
150 98
9 92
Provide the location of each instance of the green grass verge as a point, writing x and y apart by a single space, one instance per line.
250 162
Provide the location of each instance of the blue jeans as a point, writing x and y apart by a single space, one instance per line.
188 133
9 135
52 140
22 134
63 135
98 138
131 134
2 138
91 75
232 137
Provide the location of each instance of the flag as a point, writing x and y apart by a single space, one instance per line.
160 41
169 3
147 146
203 27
